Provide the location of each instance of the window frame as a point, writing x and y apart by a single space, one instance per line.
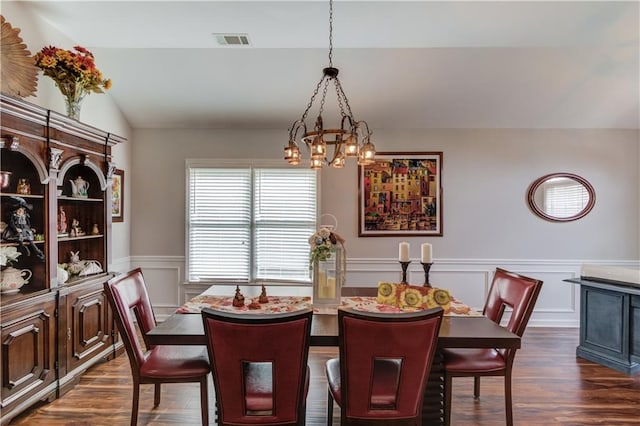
251 164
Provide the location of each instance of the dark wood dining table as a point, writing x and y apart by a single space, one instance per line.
455 332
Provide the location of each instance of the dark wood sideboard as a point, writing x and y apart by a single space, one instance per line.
609 323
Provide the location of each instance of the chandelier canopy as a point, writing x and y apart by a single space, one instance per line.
352 139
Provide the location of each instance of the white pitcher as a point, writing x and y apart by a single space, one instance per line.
13 279
79 188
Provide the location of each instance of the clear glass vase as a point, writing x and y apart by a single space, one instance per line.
74 94
73 105
328 279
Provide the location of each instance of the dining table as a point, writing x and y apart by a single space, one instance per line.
467 331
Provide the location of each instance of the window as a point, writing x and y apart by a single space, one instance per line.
249 223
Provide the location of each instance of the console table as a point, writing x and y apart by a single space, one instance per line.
609 323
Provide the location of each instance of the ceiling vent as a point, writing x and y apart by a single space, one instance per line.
232 39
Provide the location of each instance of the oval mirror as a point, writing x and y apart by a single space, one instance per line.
561 197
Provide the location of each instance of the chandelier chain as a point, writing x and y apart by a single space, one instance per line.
340 94
330 33
324 95
313 97
346 100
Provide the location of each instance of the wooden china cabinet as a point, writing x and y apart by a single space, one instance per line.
52 330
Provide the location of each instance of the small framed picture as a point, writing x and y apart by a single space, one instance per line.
400 194
117 196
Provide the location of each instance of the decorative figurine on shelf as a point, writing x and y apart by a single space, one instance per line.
75 265
76 231
238 299
263 296
18 228
24 187
95 230
62 222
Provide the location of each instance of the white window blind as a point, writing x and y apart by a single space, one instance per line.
250 224
564 197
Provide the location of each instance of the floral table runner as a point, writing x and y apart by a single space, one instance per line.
293 303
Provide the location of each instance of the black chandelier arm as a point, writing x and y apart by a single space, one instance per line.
295 127
336 150
368 133
319 126
350 122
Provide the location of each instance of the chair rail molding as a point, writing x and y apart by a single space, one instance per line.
466 279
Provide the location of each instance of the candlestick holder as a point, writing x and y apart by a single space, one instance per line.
404 271
426 267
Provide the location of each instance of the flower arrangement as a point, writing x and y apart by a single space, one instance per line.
9 255
322 245
74 72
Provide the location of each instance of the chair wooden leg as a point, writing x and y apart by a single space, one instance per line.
204 400
476 387
329 408
156 394
507 398
134 404
448 391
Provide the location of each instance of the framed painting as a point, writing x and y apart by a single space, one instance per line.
117 196
400 194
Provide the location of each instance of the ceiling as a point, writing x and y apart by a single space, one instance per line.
403 64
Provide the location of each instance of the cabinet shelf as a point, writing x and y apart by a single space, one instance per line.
67 198
15 194
81 237
10 244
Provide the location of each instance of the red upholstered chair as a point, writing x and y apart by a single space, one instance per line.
508 289
259 364
129 299
384 364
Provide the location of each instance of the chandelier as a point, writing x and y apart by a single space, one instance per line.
352 139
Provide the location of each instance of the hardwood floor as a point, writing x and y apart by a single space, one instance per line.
551 387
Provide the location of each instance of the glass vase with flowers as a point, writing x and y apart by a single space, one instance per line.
75 74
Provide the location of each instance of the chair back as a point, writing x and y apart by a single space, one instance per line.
517 292
259 364
385 360
128 297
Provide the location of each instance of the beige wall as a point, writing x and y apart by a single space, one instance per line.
486 174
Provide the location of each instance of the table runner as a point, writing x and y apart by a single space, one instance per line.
293 303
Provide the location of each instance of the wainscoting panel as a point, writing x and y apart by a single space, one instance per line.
467 279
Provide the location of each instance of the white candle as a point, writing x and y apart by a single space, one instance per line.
426 253
322 284
404 252
331 288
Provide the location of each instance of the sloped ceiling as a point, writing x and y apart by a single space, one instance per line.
403 64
